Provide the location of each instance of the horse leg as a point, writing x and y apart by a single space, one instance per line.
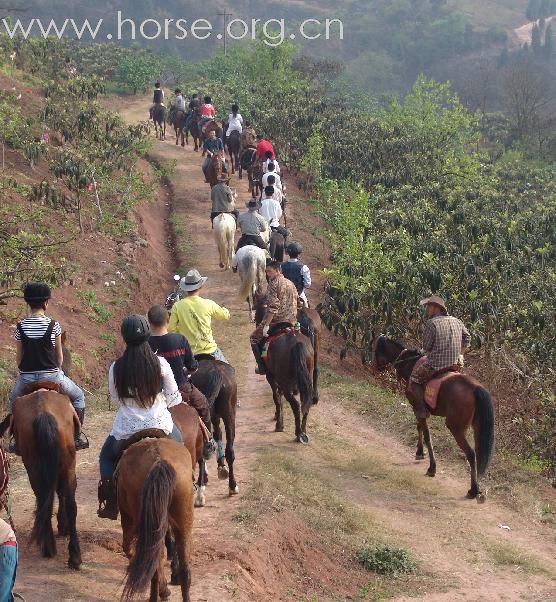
182 137
277 398
316 370
127 532
419 453
70 506
217 433
163 589
200 495
61 515
230 455
172 554
300 436
177 135
461 440
153 597
183 546
431 471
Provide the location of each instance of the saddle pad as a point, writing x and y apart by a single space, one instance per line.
433 387
274 336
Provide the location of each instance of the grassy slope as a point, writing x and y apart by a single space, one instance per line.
490 13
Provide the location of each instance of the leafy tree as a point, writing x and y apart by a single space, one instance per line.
536 43
548 48
138 70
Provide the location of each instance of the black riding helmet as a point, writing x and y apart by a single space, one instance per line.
294 248
36 292
135 329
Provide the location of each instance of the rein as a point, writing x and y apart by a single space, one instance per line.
399 361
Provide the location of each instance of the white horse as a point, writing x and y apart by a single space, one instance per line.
224 233
251 264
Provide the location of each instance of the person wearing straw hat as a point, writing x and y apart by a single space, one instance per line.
445 340
251 224
223 198
192 317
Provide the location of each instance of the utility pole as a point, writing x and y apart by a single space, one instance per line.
225 16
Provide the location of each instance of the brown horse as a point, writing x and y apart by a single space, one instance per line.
289 365
155 496
178 121
217 381
158 115
311 326
232 143
188 422
461 400
214 170
43 428
194 130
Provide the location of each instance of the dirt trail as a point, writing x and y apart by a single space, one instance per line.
524 32
449 534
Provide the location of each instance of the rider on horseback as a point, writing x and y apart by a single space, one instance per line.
296 271
264 147
193 106
235 121
281 311
248 137
206 112
212 145
252 224
192 317
271 173
271 210
223 199
158 96
445 340
178 105
175 349
143 386
40 356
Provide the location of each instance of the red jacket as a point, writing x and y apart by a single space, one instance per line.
264 147
207 111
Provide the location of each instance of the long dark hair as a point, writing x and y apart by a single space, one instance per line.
137 374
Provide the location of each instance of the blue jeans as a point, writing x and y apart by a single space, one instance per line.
112 450
67 387
8 569
218 355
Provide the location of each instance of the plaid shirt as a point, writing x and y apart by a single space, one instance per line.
444 337
282 300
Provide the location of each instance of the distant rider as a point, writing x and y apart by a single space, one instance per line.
252 224
296 271
223 199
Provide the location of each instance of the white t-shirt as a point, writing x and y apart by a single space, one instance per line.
132 418
278 182
271 211
179 103
276 165
235 123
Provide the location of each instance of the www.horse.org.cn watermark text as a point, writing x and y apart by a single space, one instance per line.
273 32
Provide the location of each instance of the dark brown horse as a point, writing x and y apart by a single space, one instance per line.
276 247
158 114
194 130
214 170
188 422
178 121
461 400
217 381
311 326
43 428
232 143
155 497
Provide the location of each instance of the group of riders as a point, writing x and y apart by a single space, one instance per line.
163 349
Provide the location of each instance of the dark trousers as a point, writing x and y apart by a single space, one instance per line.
193 397
249 239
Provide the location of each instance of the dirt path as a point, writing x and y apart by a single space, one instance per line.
524 32
466 555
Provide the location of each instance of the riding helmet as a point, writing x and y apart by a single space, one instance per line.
135 329
294 248
36 291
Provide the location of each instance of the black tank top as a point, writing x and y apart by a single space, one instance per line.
157 96
39 355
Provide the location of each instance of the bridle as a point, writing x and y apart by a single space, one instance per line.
397 361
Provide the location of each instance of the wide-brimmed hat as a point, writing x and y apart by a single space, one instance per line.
436 300
252 204
192 281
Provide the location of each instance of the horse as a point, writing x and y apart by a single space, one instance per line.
43 427
232 143
277 245
252 274
194 130
187 420
178 121
158 115
155 496
224 234
311 326
214 170
462 400
289 365
217 381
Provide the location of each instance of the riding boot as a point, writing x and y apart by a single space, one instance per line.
261 368
419 406
81 441
107 499
210 446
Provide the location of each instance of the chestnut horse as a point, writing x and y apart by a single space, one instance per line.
217 381
178 121
155 496
461 400
214 170
232 143
43 427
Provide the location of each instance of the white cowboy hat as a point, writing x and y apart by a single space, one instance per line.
192 281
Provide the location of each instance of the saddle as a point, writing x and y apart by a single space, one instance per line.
432 387
275 333
204 124
136 437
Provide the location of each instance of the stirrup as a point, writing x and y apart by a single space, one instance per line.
81 441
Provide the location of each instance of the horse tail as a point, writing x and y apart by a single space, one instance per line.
152 527
302 376
248 276
483 424
221 235
47 439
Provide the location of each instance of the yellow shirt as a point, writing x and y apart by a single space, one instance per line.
192 317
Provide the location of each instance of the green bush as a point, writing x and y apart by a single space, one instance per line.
386 560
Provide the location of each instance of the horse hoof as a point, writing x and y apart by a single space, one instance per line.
279 428
221 264
74 564
165 595
222 473
481 498
431 473
200 502
302 438
234 490
419 456
174 580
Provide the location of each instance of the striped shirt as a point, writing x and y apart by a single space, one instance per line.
35 328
